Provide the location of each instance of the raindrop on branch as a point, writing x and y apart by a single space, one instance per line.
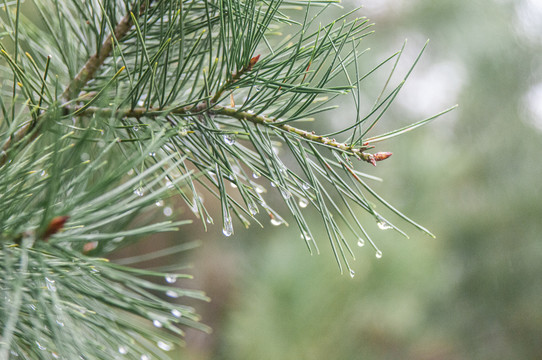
229 139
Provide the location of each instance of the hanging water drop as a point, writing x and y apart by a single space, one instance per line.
273 184
176 313
123 350
145 357
209 220
229 139
305 186
164 346
40 346
361 242
138 191
172 294
378 254
167 211
157 323
303 202
352 273
286 194
384 225
276 222
50 284
253 209
43 173
60 323
136 128
55 355
152 154
228 226
171 278
159 203
169 185
259 189
84 157
256 175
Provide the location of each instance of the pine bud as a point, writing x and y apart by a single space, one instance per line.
56 224
253 61
379 156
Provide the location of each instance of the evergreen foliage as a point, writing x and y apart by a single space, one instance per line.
109 107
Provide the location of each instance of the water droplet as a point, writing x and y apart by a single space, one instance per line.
171 278
256 175
43 173
55 355
303 203
84 157
138 191
163 345
13 353
167 211
176 313
273 184
305 186
145 357
32 306
50 284
285 193
136 128
130 172
123 350
169 185
229 139
172 294
228 226
253 209
276 150
159 203
152 154
361 242
305 235
60 323
259 189
352 273
40 346
276 222
233 185
183 132
157 323
209 220
378 254
384 225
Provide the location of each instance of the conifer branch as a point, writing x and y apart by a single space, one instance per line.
141 112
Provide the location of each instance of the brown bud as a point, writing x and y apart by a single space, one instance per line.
253 61
56 224
379 156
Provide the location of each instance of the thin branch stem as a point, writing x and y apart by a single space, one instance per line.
240 115
96 60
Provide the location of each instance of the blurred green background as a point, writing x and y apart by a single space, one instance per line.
473 177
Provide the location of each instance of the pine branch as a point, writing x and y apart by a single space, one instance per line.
139 113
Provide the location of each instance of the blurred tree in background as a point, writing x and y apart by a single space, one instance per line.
473 178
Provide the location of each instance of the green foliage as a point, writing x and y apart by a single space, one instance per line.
186 97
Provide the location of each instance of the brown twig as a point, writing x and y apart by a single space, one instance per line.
96 60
